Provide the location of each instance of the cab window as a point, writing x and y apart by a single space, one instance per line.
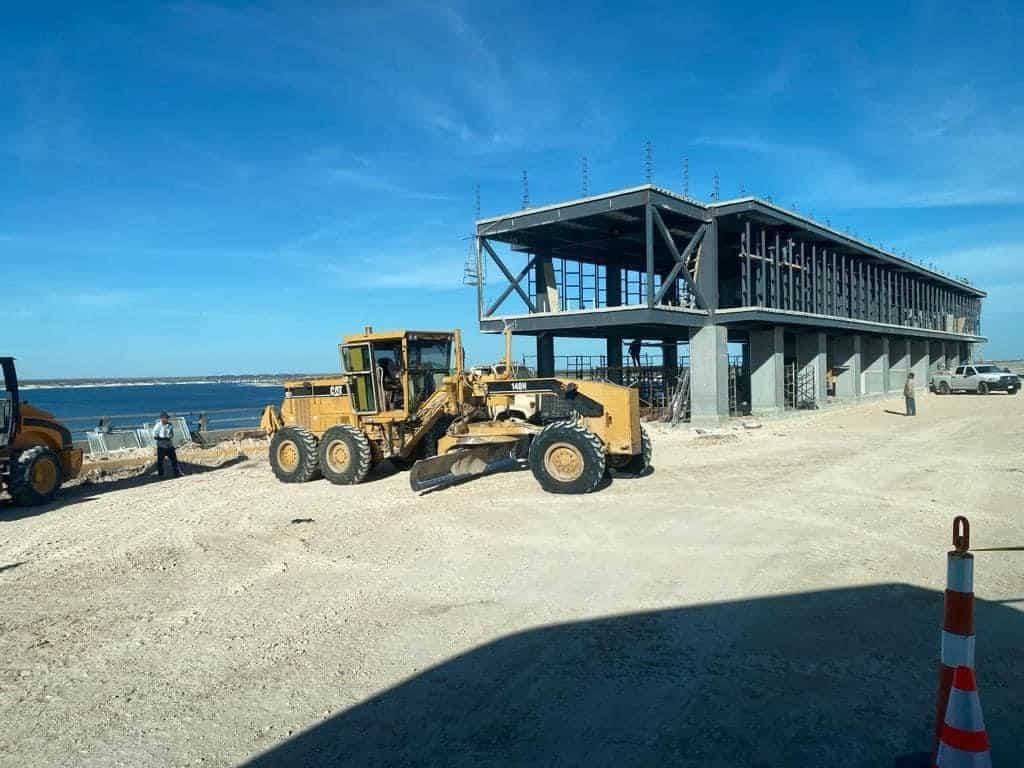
968 371
959 371
430 360
387 358
356 360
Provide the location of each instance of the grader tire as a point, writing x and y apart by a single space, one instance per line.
345 455
566 457
634 466
36 476
293 455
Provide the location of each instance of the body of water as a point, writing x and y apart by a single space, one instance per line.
131 406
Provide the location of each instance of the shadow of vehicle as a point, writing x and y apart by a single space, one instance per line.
840 677
87 490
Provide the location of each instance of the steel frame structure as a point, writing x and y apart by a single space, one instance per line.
655 263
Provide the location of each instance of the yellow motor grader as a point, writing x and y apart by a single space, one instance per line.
406 397
36 453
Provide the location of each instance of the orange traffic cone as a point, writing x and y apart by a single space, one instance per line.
964 742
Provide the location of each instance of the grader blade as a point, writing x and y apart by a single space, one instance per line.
461 464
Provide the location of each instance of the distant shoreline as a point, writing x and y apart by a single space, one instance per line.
260 380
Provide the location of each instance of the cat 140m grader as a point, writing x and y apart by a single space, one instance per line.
36 453
405 397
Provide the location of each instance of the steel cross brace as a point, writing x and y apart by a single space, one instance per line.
680 266
513 281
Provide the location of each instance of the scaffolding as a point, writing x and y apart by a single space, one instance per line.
799 391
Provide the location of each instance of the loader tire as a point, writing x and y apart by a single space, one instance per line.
293 455
345 455
634 466
566 457
36 476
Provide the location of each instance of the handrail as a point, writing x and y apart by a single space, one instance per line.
152 415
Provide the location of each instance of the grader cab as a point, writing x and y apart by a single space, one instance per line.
406 397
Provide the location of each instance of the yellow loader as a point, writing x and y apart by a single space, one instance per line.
36 453
406 397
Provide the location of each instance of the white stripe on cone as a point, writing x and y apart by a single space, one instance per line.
960 573
951 757
964 711
957 650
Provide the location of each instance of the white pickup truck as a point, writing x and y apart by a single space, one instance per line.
981 378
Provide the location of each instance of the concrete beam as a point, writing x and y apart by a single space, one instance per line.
709 376
767 370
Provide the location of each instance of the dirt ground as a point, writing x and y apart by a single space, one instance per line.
766 597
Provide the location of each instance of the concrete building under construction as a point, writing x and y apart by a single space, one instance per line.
815 312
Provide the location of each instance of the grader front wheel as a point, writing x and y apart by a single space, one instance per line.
345 455
567 458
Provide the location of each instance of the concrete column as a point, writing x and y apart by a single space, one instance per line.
848 357
920 360
613 287
709 376
613 355
546 297
886 370
767 370
670 359
545 355
953 354
875 376
707 275
899 364
936 357
812 355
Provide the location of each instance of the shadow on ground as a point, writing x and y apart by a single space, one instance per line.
89 490
843 677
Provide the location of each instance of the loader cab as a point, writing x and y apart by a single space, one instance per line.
395 372
9 402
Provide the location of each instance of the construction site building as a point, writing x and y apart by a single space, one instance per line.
811 313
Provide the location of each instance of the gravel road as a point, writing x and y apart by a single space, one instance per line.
767 597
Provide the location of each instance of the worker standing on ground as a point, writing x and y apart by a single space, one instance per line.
163 433
908 395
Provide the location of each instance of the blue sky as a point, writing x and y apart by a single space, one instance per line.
195 187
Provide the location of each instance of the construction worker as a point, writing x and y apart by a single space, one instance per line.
163 433
908 395
634 351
